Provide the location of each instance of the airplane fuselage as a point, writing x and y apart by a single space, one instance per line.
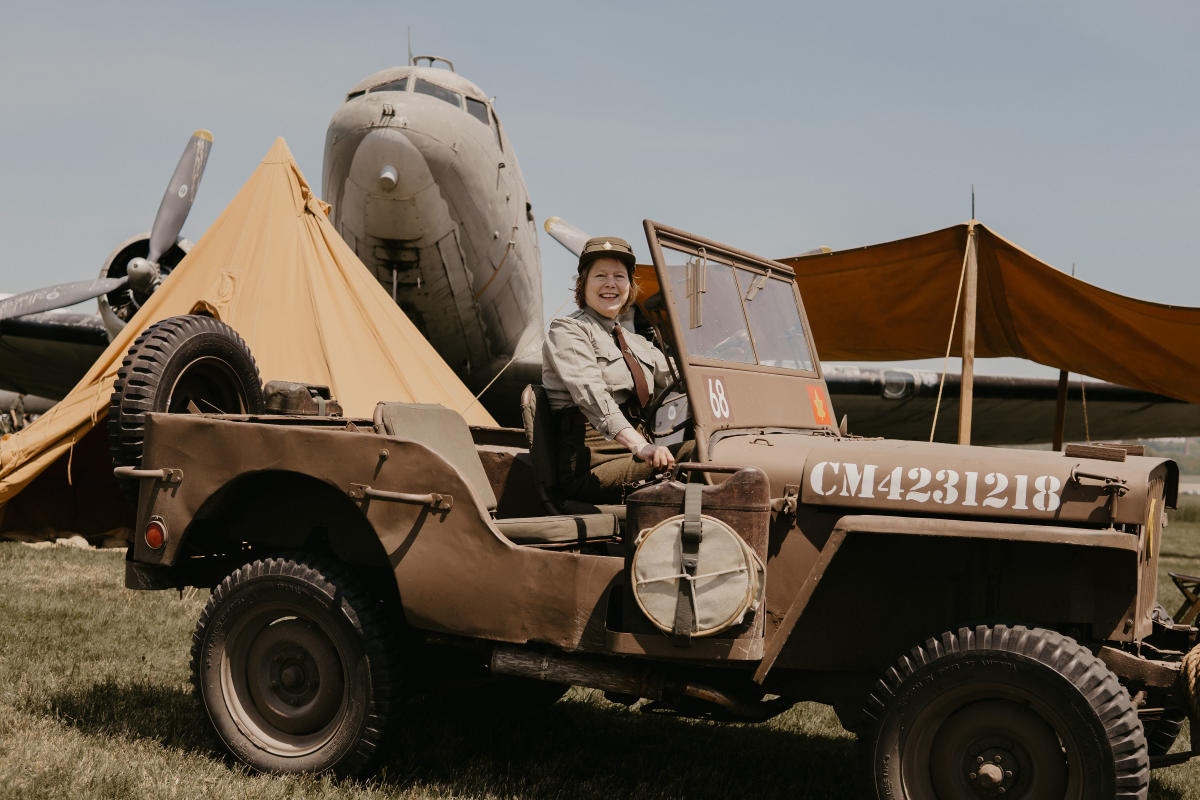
427 191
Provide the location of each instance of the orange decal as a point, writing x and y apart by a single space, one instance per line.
820 408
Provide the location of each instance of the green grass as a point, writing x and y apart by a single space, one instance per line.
95 703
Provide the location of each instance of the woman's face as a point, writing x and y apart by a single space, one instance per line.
607 286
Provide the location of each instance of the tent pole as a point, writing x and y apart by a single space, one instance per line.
970 288
1060 410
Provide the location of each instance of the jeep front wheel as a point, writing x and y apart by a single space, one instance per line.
293 663
999 711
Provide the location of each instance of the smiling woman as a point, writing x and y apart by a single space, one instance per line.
599 377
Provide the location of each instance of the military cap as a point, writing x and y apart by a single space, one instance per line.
609 246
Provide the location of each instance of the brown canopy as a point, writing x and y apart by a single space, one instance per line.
896 301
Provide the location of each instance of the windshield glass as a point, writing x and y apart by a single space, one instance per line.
440 92
779 338
735 314
711 316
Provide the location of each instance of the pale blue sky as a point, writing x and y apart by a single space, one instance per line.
776 127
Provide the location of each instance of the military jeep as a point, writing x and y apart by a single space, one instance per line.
984 619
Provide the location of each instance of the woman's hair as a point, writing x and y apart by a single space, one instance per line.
581 283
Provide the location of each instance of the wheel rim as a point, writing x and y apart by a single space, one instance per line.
990 742
207 386
284 680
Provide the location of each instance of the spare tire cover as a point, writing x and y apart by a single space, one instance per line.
727 583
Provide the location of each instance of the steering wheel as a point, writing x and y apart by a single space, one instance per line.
650 412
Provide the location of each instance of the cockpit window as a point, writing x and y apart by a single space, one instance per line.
478 109
399 85
440 92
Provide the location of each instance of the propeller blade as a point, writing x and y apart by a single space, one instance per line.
180 194
58 296
566 234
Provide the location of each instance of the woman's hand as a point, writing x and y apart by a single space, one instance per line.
657 456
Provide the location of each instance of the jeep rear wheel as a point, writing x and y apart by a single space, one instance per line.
1005 712
293 662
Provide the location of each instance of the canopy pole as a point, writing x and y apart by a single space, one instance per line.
1060 410
970 290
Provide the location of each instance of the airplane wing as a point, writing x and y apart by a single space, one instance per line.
899 404
46 354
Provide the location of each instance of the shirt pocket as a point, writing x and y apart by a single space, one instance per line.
612 364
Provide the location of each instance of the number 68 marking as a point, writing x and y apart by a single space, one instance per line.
717 400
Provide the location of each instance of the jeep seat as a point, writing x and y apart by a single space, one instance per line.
541 433
446 433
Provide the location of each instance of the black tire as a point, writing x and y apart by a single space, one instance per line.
1047 718
178 365
294 663
1161 733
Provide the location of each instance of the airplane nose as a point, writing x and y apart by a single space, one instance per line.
388 178
396 195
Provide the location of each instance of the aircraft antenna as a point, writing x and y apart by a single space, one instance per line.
410 58
972 200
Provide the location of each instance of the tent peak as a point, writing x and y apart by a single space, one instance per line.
279 153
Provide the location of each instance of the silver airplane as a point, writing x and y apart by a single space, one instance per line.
426 189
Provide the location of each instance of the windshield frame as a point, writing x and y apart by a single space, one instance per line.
661 237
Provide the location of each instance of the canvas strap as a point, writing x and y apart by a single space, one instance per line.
690 534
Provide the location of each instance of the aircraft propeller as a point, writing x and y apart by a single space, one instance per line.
566 234
142 275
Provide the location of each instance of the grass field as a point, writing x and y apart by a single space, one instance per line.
95 703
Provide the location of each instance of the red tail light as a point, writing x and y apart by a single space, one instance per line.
156 534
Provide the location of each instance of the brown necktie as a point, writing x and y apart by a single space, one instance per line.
635 368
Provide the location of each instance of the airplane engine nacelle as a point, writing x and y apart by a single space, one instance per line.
118 307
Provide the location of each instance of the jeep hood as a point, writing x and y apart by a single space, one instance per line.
954 480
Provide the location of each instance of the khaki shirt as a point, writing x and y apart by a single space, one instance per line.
583 367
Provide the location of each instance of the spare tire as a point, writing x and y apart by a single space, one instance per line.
187 364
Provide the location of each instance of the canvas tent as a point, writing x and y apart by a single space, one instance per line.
895 301
273 267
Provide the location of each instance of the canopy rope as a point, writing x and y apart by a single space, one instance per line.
529 349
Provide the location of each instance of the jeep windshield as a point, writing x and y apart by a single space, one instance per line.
735 314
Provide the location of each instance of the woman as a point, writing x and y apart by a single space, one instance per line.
598 375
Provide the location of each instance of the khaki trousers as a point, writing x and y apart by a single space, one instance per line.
597 470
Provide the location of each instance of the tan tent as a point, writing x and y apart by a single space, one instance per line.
273 267
896 301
